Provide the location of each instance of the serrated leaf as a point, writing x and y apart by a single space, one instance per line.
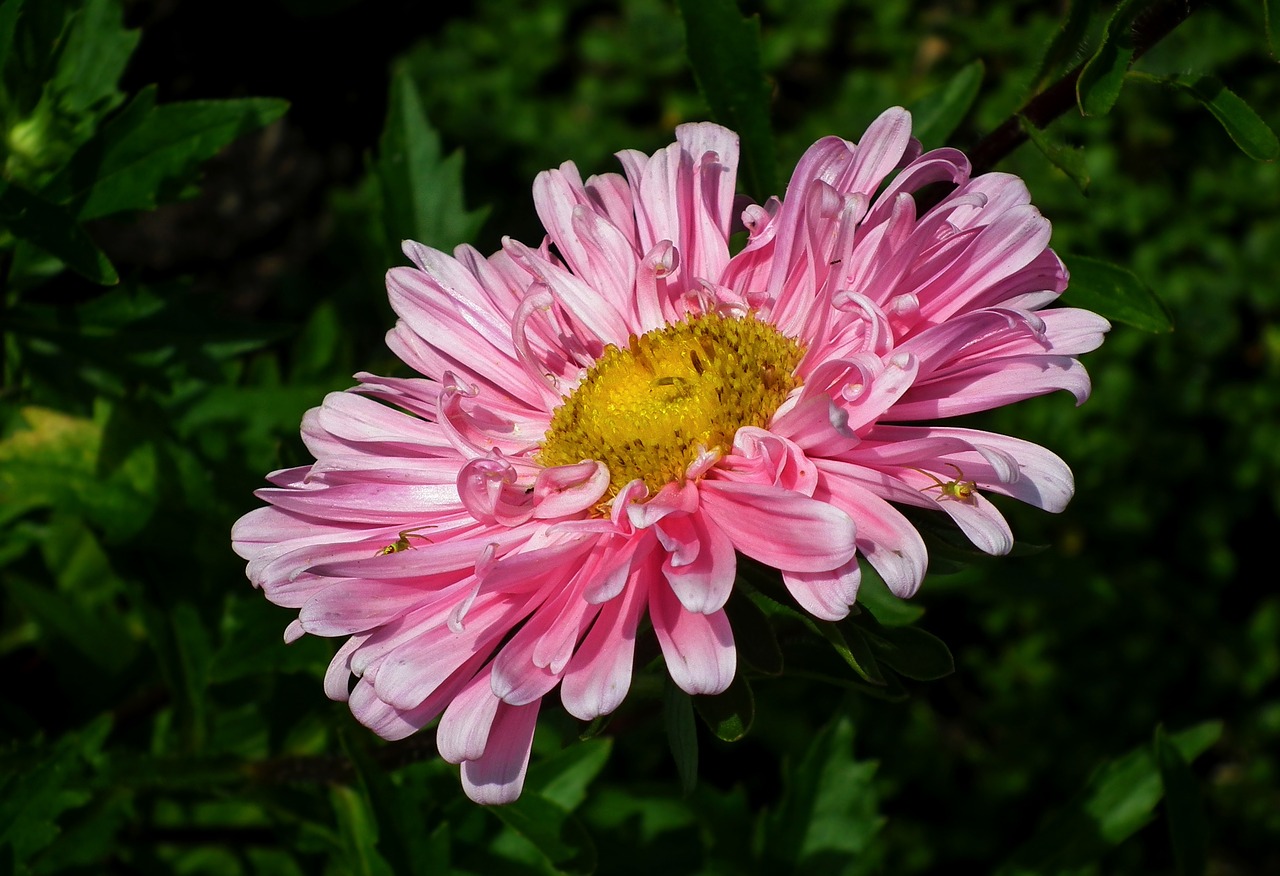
556 833
1115 293
724 52
1066 41
1067 159
1102 76
148 153
935 116
1188 827
421 189
1117 801
829 811
729 714
54 230
1244 126
682 735
94 56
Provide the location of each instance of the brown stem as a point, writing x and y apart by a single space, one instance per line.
1151 26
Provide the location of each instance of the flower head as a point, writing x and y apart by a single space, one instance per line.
605 422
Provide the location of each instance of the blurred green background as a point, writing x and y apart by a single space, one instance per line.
1115 705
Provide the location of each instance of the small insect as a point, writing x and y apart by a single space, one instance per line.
402 543
960 489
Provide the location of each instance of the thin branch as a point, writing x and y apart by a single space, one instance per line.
1149 28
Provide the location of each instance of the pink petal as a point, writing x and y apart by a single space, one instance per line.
698 648
498 776
702 578
780 528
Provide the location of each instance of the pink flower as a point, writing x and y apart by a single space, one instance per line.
604 422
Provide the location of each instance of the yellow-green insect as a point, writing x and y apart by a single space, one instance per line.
960 489
402 543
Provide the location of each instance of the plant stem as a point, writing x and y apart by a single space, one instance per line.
1153 25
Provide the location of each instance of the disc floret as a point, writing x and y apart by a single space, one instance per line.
648 409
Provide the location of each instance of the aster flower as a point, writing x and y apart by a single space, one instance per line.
604 422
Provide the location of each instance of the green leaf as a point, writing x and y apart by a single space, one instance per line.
358 829
724 51
1117 801
556 833
53 229
682 735
1115 293
909 651
1102 76
728 714
148 154
421 188
935 116
753 635
94 56
829 811
853 647
1244 126
1188 827
9 12
401 841
56 461
1065 43
1067 159
38 783
563 779
890 610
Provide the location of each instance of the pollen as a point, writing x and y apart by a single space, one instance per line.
648 409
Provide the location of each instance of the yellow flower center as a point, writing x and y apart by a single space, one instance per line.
646 411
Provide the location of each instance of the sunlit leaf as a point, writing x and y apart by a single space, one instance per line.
54 460
1115 293
724 51
148 154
